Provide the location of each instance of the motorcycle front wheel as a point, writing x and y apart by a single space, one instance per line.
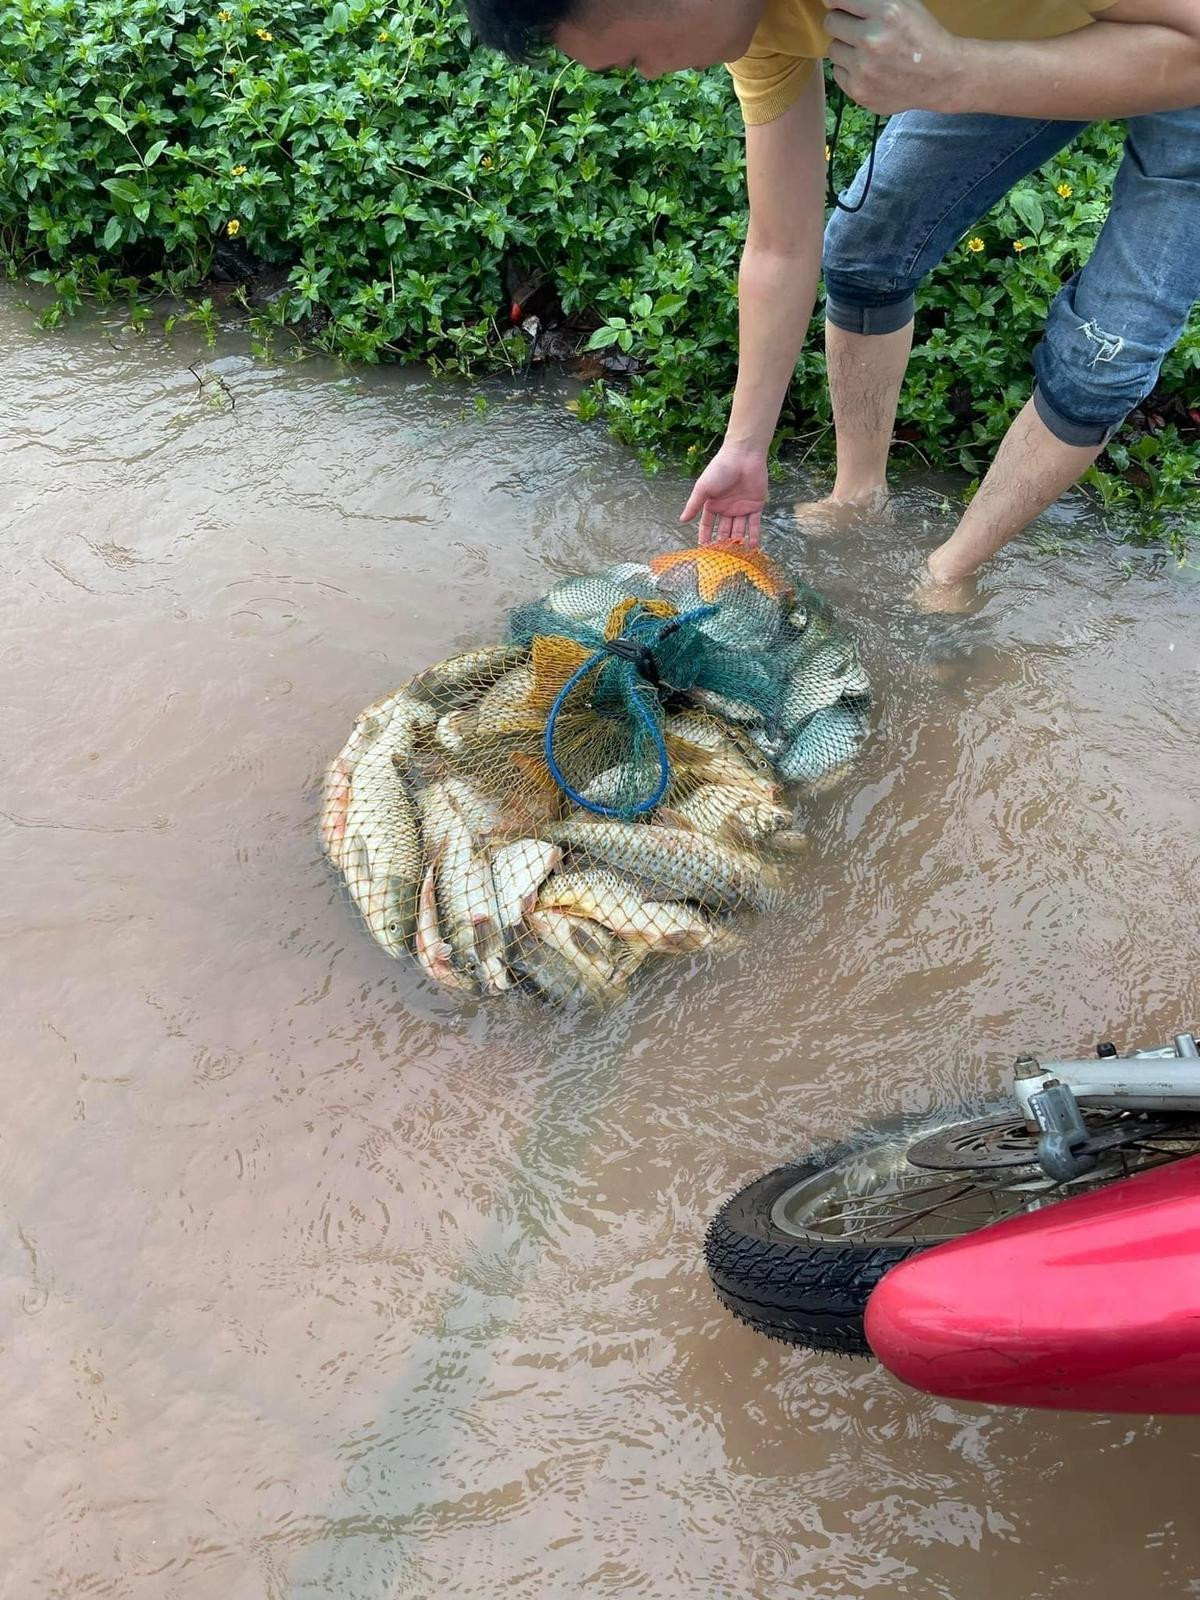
796 1253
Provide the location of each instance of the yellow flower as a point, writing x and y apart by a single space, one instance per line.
827 152
975 244
383 36
237 171
233 228
1065 190
224 16
1018 245
261 33
486 162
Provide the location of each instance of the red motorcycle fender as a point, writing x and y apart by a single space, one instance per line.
1090 1304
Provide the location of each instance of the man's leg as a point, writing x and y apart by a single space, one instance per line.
1105 339
865 372
934 176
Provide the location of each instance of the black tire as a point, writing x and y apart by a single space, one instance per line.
803 1285
800 1292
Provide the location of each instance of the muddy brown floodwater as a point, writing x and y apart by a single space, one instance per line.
317 1283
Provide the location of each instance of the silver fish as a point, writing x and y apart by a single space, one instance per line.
384 872
677 864
335 801
577 961
460 679
586 600
618 904
518 871
746 618
455 729
722 705
399 715
507 698
816 683
432 951
452 816
623 785
725 809
825 742
634 579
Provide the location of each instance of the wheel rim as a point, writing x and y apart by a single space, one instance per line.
875 1194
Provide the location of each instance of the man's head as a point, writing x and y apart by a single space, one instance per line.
654 36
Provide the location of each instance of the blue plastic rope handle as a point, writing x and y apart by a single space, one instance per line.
661 626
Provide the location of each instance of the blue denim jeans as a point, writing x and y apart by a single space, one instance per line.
1110 326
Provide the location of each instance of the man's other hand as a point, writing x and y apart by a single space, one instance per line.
892 55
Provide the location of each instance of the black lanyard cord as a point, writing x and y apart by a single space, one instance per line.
831 190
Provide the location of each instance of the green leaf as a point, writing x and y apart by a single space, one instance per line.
115 122
112 234
155 151
1029 208
123 189
339 17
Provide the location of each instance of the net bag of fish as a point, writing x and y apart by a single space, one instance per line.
611 784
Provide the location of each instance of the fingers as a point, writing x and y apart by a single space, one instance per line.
754 530
707 535
695 501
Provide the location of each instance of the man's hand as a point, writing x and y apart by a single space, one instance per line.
892 55
729 496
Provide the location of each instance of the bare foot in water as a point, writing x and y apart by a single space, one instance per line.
834 515
949 596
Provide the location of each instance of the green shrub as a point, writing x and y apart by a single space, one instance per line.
389 172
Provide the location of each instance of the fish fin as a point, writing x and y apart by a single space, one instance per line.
670 818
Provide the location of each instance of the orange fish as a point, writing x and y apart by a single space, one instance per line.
715 564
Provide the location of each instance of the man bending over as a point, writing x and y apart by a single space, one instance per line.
981 93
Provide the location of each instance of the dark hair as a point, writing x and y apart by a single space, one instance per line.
518 27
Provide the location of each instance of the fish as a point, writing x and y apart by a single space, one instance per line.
726 809
568 962
399 714
432 951
334 803
519 869
722 705
624 785
678 864
509 695
710 734
453 816
617 903
586 600
789 839
771 744
825 742
745 619
455 729
633 578
383 872
830 673
463 678
727 760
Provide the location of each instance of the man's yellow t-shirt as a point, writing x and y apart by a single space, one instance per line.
791 37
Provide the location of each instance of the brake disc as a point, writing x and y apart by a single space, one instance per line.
1004 1141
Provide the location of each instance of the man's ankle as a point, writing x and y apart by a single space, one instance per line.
865 496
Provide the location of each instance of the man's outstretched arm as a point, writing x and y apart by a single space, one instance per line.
777 287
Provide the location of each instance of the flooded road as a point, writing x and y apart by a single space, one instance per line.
317 1283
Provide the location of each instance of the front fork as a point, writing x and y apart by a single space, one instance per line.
1050 1094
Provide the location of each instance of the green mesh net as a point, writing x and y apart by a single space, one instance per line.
610 784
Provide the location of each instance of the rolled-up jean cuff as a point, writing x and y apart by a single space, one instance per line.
869 319
1077 433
